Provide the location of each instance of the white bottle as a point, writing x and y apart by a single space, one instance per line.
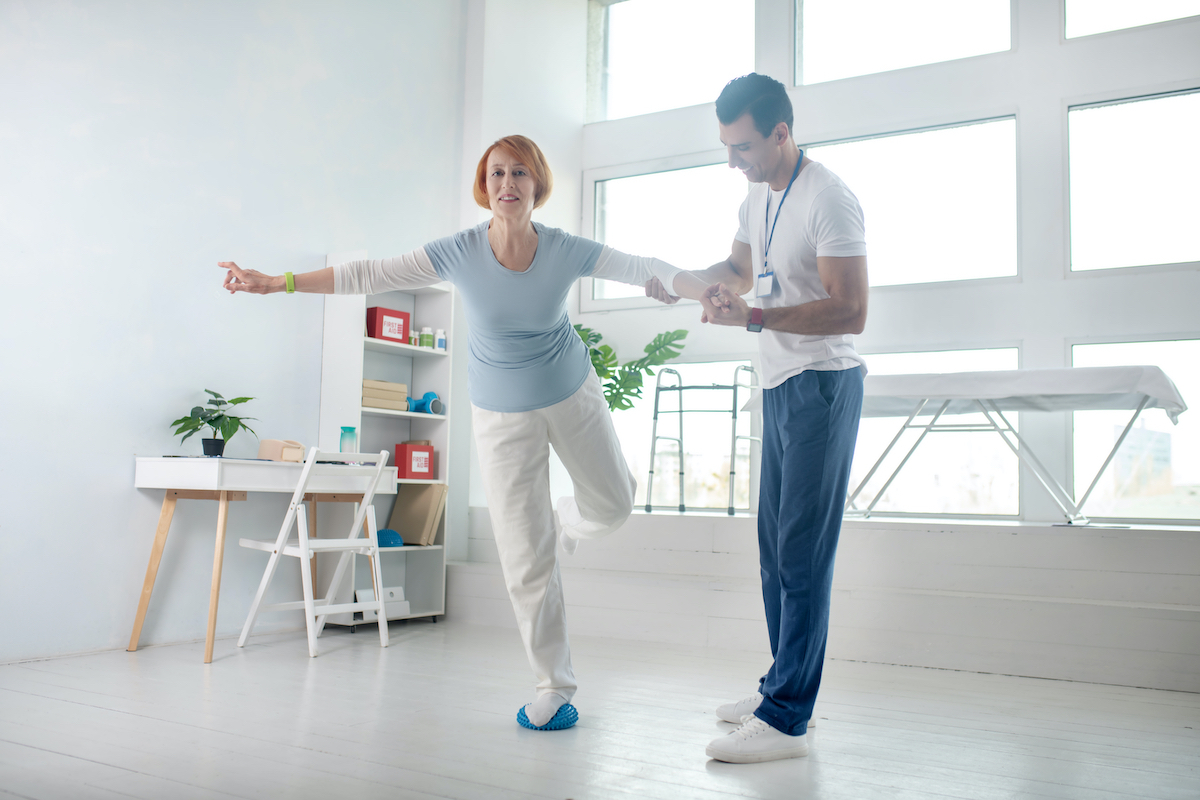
439 340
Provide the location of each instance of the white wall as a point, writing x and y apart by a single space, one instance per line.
142 142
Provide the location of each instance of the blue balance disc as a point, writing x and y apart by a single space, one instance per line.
389 538
565 717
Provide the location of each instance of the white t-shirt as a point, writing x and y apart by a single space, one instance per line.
821 217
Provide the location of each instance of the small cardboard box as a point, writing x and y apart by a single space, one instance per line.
388 324
415 461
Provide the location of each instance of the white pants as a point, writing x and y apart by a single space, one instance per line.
514 455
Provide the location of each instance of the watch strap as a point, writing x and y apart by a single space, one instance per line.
755 325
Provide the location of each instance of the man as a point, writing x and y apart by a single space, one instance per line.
800 247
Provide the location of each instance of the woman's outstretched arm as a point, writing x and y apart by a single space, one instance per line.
368 276
251 280
637 270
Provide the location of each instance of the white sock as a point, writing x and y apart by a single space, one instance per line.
567 516
543 709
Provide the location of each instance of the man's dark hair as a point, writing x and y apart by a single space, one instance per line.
764 98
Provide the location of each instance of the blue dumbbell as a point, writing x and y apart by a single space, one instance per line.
429 404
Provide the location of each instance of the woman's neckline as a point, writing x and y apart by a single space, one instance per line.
532 261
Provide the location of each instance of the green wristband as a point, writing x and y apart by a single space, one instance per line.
291 282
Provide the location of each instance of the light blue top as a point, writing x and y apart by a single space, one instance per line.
524 354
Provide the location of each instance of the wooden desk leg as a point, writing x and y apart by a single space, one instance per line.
156 551
218 560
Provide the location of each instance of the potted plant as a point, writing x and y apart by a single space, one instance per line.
223 424
623 382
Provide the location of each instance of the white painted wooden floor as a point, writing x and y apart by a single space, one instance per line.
433 716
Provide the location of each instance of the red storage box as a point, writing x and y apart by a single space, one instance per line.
386 323
414 461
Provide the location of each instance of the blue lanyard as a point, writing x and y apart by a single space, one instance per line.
767 210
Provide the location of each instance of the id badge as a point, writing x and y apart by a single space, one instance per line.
764 286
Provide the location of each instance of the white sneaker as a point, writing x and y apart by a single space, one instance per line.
737 712
756 741
733 712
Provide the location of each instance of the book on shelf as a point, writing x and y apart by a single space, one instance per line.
418 511
386 386
390 405
384 394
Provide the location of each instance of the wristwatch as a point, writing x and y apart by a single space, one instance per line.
755 323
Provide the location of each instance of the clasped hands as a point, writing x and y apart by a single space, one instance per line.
722 306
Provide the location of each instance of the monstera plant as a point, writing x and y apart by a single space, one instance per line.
623 382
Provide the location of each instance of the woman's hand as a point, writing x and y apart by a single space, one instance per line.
249 280
723 306
656 290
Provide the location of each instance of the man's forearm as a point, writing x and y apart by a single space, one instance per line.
724 272
829 317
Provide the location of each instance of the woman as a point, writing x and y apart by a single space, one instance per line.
531 385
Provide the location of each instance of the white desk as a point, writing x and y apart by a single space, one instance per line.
226 480
992 393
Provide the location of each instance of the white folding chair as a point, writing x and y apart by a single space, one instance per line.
302 547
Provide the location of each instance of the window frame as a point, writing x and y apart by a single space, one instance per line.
797 69
587 301
1113 98
1085 36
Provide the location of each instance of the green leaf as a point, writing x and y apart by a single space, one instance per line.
229 426
217 403
608 357
239 400
214 394
589 336
198 411
185 438
623 382
187 424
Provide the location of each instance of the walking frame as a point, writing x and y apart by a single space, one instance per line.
734 438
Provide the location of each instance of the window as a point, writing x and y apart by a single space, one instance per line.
1156 473
1135 169
844 38
687 217
706 439
1085 17
1033 193
949 473
652 55
940 205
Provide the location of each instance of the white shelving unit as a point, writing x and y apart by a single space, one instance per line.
347 357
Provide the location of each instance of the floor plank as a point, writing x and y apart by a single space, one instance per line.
432 716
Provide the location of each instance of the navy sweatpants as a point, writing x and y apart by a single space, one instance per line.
810 424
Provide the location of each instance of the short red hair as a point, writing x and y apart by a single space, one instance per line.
524 150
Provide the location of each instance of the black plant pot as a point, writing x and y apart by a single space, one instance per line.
213 447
